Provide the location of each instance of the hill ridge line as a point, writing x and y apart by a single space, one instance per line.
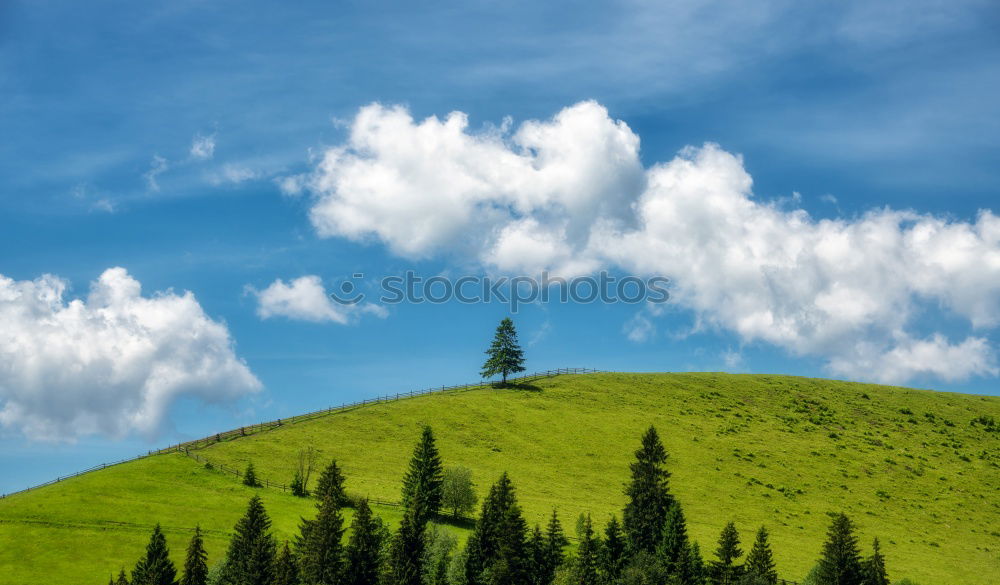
245 431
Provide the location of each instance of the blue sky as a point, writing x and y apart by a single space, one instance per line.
217 147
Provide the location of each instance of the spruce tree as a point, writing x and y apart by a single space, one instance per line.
697 571
498 545
874 569
331 484
407 551
587 557
155 568
423 480
122 579
537 557
286 568
759 565
841 560
364 549
613 551
673 547
250 476
555 544
648 495
195 564
505 354
321 558
252 549
725 570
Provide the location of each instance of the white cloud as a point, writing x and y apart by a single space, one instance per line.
570 195
305 299
203 147
112 363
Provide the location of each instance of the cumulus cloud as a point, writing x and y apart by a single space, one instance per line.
112 363
570 195
306 299
203 147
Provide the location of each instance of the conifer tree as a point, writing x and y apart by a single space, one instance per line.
673 547
423 480
252 549
364 549
555 544
537 557
498 544
195 564
155 568
286 569
505 354
874 568
613 551
331 484
122 579
696 569
759 565
725 570
648 495
250 476
407 551
587 556
321 558
841 560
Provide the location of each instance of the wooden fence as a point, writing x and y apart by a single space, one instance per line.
188 446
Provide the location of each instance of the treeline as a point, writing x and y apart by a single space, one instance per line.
648 546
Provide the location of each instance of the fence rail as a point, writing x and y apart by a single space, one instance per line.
188 446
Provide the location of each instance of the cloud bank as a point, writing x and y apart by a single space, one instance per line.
570 195
112 363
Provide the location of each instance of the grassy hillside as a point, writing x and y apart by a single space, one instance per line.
907 465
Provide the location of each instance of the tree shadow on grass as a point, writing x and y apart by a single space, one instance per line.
521 386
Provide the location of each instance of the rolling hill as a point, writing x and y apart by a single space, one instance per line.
918 469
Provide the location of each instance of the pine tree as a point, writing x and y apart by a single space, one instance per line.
423 480
759 566
505 355
498 545
331 484
874 568
195 564
841 560
537 557
155 568
725 570
122 579
587 556
674 544
252 549
286 569
250 476
407 551
364 549
648 495
555 544
697 565
321 559
613 551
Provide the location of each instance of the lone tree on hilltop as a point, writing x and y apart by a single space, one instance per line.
505 355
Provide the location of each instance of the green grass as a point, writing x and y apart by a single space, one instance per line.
774 450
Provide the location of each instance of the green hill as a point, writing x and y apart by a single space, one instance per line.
909 466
